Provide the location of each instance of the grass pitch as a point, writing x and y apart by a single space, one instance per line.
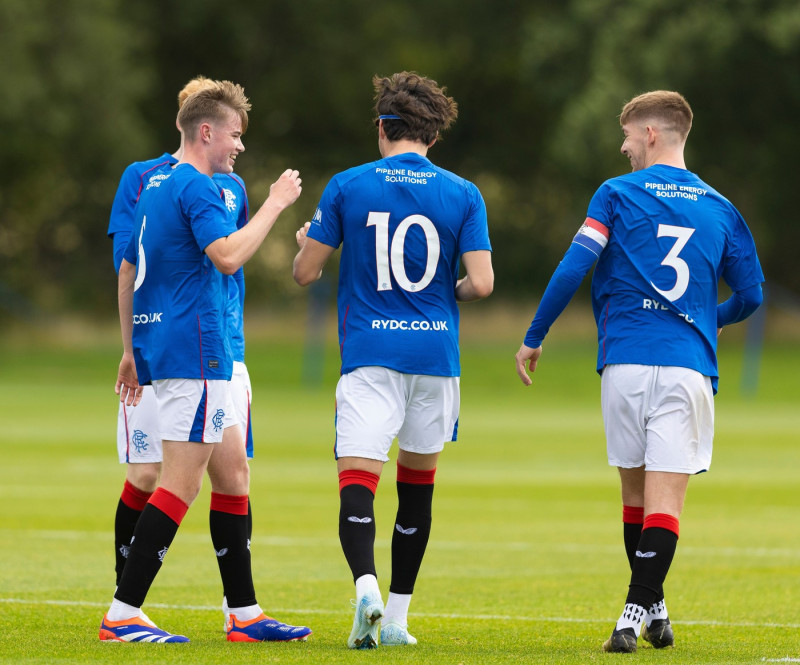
525 562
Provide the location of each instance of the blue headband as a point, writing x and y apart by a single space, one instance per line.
389 117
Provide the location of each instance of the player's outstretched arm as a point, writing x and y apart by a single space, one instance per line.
311 258
479 281
527 355
232 252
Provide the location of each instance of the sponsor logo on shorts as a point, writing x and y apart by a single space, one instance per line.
394 324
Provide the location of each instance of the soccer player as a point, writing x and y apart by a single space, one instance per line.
403 224
173 300
662 238
138 436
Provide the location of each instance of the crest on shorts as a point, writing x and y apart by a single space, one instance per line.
139 441
217 420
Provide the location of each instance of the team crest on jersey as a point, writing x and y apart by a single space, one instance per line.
139 441
218 419
230 199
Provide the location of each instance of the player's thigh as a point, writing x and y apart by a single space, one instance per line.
138 433
242 396
624 402
370 407
680 429
194 410
431 413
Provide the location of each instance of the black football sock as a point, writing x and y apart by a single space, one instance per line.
152 537
653 559
229 525
131 503
412 527
357 529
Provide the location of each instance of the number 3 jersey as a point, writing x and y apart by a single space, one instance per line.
664 240
180 298
403 224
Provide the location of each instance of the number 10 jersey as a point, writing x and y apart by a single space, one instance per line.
403 224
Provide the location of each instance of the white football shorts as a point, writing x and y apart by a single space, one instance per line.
658 417
242 395
138 436
375 404
194 410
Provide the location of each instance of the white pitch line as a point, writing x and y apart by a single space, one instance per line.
519 546
425 615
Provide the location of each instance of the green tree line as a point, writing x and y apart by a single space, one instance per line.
90 86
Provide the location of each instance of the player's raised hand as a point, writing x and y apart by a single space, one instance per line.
301 234
286 189
527 355
128 388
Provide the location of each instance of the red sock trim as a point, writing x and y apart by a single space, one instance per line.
633 514
169 504
663 521
414 477
133 497
229 503
356 477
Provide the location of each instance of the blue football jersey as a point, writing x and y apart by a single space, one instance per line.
130 187
664 239
180 298
235 197
403 224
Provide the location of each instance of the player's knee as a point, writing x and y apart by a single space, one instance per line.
144 476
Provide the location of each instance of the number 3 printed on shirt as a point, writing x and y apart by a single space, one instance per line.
141 265
380 220
682 235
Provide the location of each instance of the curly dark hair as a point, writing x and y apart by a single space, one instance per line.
422 106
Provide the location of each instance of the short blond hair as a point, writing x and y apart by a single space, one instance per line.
668 106
210 104
197 84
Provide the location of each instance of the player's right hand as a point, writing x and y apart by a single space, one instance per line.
286 189
527 355
127 387
302 234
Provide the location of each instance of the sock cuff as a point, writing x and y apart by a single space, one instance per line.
413 476
133 497
633 514
356 477
230 503
663 521
169 504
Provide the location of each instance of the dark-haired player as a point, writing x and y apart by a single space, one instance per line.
403 224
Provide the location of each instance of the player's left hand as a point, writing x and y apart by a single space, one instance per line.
527 355
127 387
